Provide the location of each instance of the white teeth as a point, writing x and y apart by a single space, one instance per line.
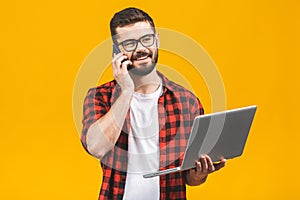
142 58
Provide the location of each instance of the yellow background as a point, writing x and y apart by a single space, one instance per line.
255 45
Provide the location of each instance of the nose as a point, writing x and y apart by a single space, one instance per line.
140 47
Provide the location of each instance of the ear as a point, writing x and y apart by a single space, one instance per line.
157 40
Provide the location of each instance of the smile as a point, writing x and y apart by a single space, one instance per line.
142 58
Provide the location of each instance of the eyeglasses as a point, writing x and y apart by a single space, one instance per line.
131 44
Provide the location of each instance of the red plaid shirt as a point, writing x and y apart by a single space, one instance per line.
177 108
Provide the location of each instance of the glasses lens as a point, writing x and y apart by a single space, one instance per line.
129 45
147 40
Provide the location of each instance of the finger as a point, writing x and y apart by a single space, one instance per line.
124 66
114 63
204 164
210 164
221 164
198 166
117 62
117 56
120 59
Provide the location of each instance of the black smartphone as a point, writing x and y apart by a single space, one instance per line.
116 50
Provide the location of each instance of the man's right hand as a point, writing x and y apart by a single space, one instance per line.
120 63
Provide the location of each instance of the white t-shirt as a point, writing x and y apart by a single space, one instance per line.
143 147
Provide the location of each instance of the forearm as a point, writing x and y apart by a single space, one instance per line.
103 134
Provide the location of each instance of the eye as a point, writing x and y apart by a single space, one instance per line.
129 43
147 39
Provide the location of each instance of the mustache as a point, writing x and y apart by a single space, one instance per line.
141 54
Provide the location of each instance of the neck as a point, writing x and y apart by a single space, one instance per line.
146 84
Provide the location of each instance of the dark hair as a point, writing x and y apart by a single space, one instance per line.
129 16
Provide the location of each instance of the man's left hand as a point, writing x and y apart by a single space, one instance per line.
204 166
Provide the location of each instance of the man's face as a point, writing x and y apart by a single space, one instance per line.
144 57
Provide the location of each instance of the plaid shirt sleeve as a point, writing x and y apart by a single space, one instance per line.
96 104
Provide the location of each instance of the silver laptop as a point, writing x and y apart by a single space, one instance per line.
221 134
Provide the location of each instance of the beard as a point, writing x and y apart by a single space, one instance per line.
144 69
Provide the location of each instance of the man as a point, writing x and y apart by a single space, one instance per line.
141 121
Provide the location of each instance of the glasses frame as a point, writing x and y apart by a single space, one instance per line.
138 41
